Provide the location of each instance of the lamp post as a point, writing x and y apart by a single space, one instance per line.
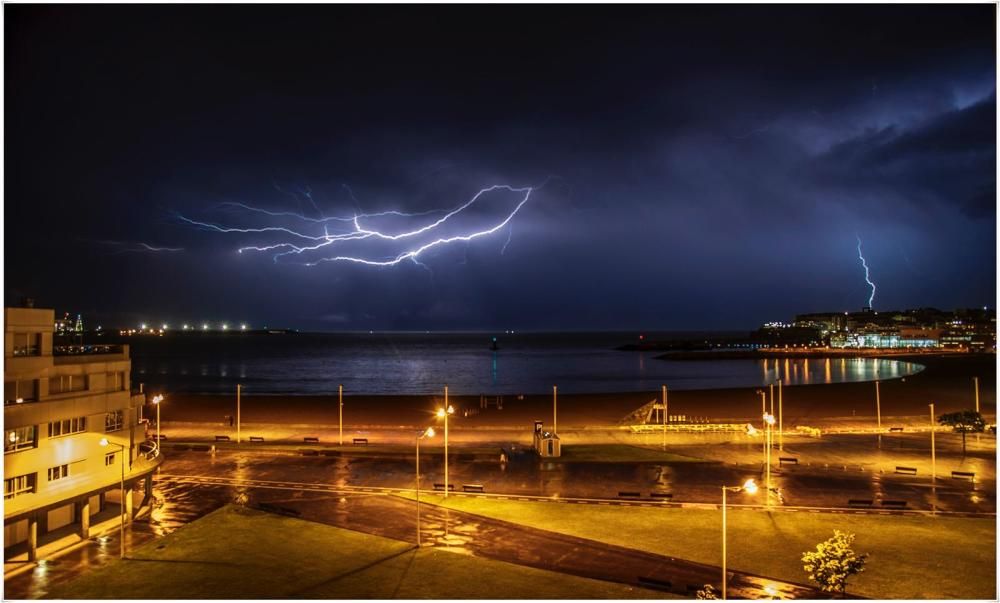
878 412
105 442
340 397
781 417
664 416
933 452
769 425
427 433
555 415
975 381
156 400
751 488
238 387
445 413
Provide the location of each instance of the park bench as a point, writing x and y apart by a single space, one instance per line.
791 460
629 494
311 440
256 439
969 475
894 504
162 436
451 487
661 495
860 502
655 583
907 470
895 429
360 441
308 452
221 438
472 488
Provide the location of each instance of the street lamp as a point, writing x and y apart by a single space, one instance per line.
105 442
443 413
427 433
750 487
156 400
768 436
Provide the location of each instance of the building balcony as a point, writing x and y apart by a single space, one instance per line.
79 354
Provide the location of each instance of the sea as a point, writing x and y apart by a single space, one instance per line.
408 363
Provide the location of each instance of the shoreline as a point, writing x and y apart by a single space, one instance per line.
945 381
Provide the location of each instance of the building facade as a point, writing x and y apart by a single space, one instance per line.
72 435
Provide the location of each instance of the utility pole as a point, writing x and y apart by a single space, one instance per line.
238 413
340 396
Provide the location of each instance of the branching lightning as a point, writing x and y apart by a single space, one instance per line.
138 247
292 241
868 279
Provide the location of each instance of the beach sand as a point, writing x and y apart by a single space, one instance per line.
947 382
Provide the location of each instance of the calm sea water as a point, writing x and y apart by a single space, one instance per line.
422 363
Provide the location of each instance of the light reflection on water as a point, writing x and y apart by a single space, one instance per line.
418 364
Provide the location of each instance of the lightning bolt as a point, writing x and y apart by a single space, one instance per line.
138 247
292 241
868 279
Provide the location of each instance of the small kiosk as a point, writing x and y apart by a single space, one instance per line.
546 442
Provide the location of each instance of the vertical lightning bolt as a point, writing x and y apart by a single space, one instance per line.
868 279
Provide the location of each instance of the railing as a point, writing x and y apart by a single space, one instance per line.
83 349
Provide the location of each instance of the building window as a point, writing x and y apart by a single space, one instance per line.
26 344
20 438
16 486
58 472
115 381
114 420
16 392
67 383
67 426
109 459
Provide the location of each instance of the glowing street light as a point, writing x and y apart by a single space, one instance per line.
750 487
105 442
204 326
427 433
442 413
187 327
243 327
225 327
156 400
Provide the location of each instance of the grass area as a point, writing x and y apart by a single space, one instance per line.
239 553
619 453
911 557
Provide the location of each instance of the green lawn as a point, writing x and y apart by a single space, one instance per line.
238 553
910 557
619 453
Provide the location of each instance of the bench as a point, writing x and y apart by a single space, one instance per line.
160 437
310 440
969 475
791 460
360 441
472 488
895 504
308 452
663 495
441 487
256 439
629 494
655 583
219 438
200 447
895 429
860 502
331 453
907 470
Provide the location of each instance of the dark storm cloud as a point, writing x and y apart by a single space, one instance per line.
705 166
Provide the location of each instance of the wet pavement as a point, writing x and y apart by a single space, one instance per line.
355 493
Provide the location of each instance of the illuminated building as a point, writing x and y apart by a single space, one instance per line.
59 402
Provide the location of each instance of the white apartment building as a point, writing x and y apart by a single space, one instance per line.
59 403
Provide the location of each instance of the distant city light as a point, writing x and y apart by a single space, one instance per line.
225 327
164 327
243 327
186 327
204 327
142 327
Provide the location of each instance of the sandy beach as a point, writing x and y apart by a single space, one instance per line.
947 382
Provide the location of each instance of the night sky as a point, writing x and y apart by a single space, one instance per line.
705 167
